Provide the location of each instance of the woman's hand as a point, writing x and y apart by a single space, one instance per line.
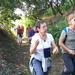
36 42
55 50
65 48
34 46
71 52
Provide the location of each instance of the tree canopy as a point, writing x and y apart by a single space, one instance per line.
7 11
41 6
33 9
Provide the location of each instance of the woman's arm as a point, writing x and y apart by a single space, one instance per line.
54 46
63 45
65 48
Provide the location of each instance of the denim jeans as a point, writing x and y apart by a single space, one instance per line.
69 62
38 68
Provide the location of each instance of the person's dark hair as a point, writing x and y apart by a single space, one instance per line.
28 24
38 23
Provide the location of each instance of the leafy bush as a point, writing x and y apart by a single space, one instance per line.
48 12
8 44
56 30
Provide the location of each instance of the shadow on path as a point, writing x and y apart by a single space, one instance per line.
21 60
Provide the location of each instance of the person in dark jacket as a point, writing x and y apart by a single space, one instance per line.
31 33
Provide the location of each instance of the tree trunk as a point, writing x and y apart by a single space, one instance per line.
58 9
52 8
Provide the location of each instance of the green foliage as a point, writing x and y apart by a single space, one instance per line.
6 68
48 12
7 12
8 44
10 4
35 9
56 30
66 6
24 73
29 21
6 17
8 48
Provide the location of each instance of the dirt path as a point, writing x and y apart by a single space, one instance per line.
21 61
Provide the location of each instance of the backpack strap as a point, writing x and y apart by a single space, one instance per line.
66 29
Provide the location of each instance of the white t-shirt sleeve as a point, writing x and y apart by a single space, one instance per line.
34 38
50 38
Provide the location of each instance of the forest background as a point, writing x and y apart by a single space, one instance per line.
54 12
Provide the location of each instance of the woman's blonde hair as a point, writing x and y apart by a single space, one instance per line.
70 17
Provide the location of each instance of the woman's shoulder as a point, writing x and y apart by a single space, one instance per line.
66 28
50 37
35 35
49 34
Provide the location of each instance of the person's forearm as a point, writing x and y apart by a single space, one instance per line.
61 44
64 47
54 45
